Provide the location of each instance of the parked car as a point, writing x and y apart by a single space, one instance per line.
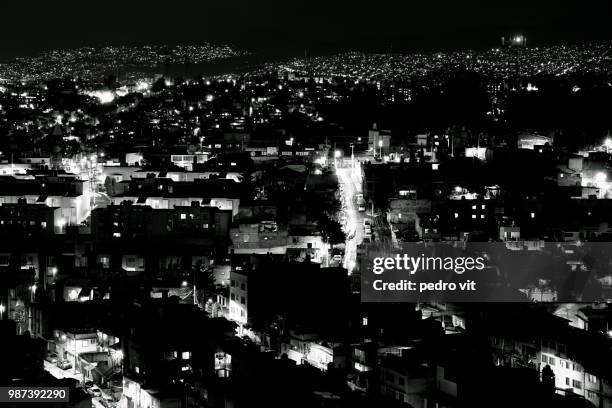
52 358
64 364
94 391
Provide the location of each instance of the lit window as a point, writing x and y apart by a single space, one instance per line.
186 355
183 216
473 216
532 215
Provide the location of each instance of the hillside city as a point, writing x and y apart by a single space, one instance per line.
202 241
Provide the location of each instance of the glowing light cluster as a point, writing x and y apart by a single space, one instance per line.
103 96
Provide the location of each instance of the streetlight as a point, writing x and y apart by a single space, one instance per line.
337 155
608 144
61 223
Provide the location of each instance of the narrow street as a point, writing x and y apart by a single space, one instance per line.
354 219
59 373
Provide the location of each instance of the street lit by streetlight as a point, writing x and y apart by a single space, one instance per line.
2 309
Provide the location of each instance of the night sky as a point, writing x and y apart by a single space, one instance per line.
279 28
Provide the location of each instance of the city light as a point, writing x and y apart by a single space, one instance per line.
128 191
142 86
600 177
103 97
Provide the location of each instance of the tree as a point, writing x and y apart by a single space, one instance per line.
548 378
331 230
205 283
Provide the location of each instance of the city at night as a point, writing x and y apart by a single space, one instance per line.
321 204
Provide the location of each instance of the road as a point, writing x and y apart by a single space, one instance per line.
59 373
348 177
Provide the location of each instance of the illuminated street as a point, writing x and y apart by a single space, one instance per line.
57 372
354 219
